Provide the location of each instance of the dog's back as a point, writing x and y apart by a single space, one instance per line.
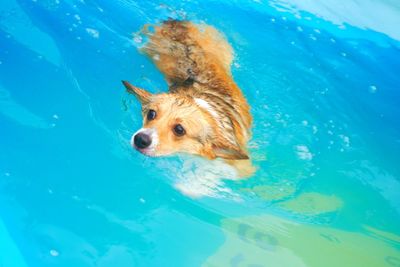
184 51
198 57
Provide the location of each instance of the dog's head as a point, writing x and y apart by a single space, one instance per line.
178 123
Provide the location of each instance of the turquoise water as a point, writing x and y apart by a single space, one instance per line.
324 85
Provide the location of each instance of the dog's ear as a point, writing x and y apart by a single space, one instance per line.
225 145
230 152
142 95
227 150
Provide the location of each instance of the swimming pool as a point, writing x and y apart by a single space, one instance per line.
323 83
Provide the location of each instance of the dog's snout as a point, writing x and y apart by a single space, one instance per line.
142 140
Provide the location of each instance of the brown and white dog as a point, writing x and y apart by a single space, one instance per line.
204 113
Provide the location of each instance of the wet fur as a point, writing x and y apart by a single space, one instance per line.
195 60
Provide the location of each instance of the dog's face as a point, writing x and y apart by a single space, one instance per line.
175 123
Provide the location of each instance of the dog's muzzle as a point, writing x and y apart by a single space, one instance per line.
145 140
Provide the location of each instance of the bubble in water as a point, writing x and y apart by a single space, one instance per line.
142 200
317 31
93 32
372 89
312 37
345 140
314 129
54 253
137 39
303 152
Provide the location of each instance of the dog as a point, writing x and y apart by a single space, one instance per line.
204 113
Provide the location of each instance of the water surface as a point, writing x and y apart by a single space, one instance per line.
323 83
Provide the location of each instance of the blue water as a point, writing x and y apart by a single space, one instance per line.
325 96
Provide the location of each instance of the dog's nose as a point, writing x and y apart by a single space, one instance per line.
142 140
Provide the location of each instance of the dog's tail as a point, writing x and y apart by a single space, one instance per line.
185 52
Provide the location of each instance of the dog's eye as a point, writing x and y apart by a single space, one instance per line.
151 115
179 130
